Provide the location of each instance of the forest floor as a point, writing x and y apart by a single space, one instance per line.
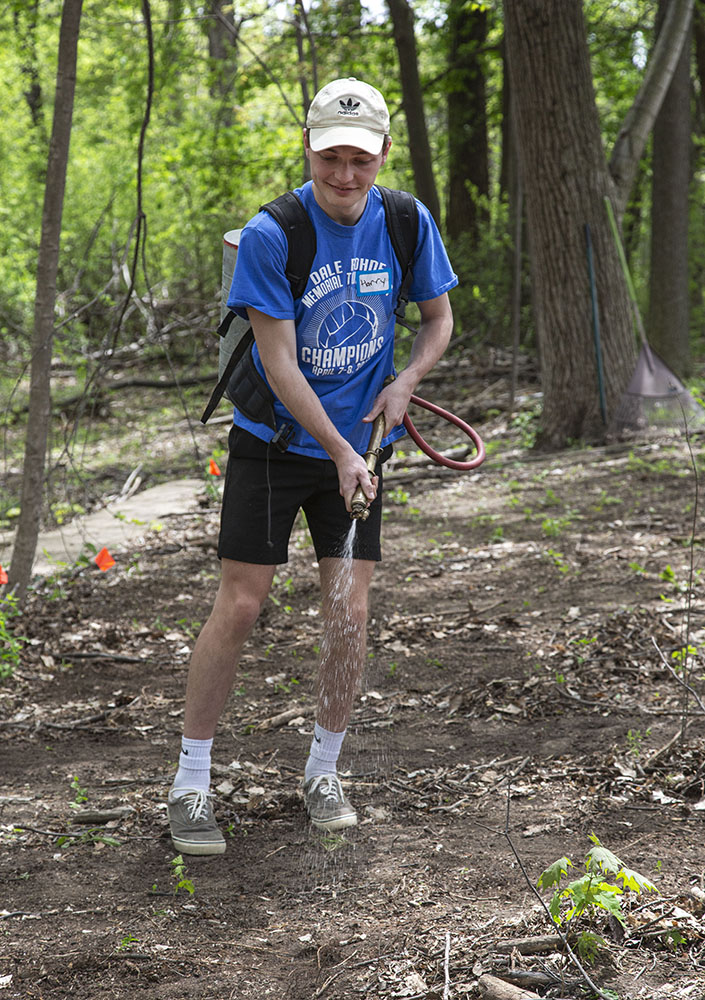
520 696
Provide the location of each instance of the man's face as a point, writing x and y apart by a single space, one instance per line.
342 176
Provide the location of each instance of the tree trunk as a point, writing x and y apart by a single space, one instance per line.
565 180
26 33
669 312
43 334
305 38
412 99
640 119
222 51
468 169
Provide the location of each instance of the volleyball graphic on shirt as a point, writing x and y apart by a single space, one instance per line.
349 322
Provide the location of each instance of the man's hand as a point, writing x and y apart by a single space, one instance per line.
353 472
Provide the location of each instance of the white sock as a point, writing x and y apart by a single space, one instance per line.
324 752
194 765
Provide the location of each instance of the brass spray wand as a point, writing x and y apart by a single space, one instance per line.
359 504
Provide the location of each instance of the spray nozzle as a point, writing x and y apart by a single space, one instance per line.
359 505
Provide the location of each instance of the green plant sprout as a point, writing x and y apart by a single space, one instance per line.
634 740
592 893
93 836
81 794
180 876
333 841
559 560
682 655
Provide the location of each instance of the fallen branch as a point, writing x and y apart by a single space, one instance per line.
498 989
276 721
95 817
532 945
446 968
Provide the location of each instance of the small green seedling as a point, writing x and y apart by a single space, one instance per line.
333 841
180 876
127 942
592 893
81 794
634 740
681 656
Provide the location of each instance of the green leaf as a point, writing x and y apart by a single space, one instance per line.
634 881
554 908
603 858
554 873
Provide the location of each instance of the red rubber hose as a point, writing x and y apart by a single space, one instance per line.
452 419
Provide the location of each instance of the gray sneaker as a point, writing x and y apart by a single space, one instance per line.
192 823
327 806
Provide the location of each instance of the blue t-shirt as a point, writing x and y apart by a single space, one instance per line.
345 318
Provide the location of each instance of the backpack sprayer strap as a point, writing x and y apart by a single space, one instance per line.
243 344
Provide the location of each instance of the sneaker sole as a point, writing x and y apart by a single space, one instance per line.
337 823
198 847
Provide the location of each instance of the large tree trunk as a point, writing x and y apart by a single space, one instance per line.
412 98
468 169
669 305
43 334
565 180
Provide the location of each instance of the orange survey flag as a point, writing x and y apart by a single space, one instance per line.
213 468
3 577
104 560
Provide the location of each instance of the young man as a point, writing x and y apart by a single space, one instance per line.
325 358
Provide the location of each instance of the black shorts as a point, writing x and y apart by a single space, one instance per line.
264 491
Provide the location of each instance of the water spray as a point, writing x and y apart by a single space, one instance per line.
359 505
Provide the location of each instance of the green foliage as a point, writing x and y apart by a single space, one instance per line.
597 891
10 643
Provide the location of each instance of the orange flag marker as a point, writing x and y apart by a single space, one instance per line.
213 468
104 560
3 577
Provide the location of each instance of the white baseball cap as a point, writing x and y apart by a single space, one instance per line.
348 113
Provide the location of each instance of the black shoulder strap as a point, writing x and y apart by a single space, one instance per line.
242 345
293 218
402 217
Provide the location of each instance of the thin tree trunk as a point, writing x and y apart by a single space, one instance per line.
44 304
639 121
222 52
669 305
412 98
468 168
26 31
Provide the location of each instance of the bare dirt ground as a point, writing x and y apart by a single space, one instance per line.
518 698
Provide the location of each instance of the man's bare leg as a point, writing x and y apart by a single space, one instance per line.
345 585
243 589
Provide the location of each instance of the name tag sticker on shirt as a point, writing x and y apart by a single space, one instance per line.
374 282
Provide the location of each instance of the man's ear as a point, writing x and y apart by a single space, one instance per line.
307 148
385 151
